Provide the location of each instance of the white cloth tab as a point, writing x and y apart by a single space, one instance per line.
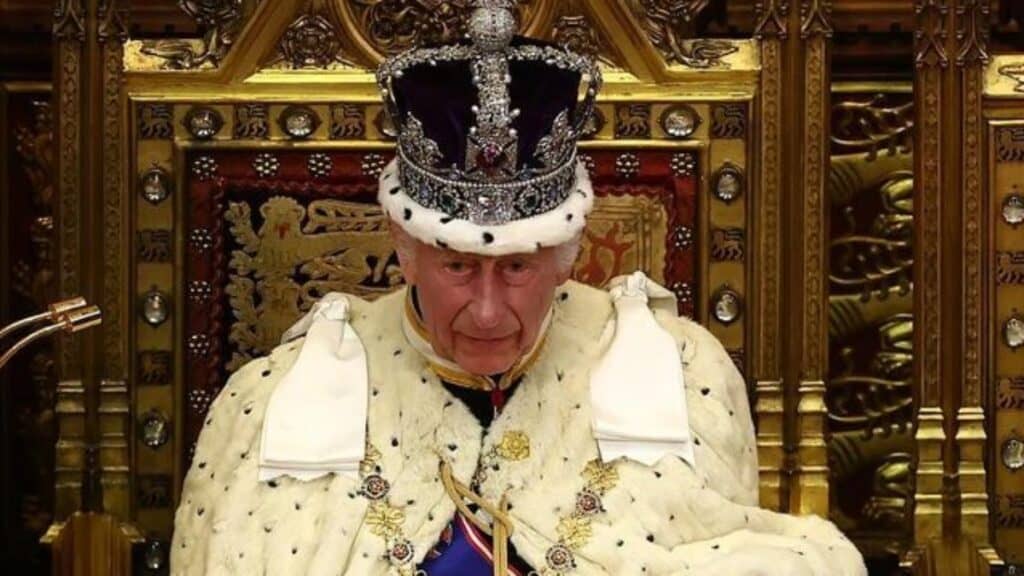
637 393
315 422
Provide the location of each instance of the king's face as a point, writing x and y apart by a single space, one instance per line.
483 313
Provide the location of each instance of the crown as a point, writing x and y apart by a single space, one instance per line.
487 127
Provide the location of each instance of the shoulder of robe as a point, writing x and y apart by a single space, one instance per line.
239 406
228 446
583 307
719 408
255 380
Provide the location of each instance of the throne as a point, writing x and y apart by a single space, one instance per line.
254 172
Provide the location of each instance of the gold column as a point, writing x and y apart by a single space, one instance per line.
114 427
769 406
69 39
951 519
929 164
971 439
809 484
88 81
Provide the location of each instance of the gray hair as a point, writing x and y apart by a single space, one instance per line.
566 253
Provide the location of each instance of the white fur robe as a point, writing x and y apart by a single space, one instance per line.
665 519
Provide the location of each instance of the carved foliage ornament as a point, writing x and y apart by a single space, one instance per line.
973 33
1014 72
219 20
930 51
771 19
69 20
814 18
880 122
574 32
392 26
670 24
310 42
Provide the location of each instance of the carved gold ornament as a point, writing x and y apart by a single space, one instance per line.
600 477
514 446
574 531
384 520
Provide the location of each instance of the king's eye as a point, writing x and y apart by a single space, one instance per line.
457 267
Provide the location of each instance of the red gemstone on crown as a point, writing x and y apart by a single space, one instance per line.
491 154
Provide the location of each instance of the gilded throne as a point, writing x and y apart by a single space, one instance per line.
781 203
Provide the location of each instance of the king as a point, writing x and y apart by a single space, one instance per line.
493 417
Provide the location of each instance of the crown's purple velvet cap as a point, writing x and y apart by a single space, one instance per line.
441 97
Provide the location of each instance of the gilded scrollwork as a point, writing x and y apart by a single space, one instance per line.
873 124
880 255
395 25
670 25
219 20
574 31
1014 72
871 324
573 27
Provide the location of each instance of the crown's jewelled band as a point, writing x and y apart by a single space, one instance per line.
483 203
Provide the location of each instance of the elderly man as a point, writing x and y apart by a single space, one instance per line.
494 417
